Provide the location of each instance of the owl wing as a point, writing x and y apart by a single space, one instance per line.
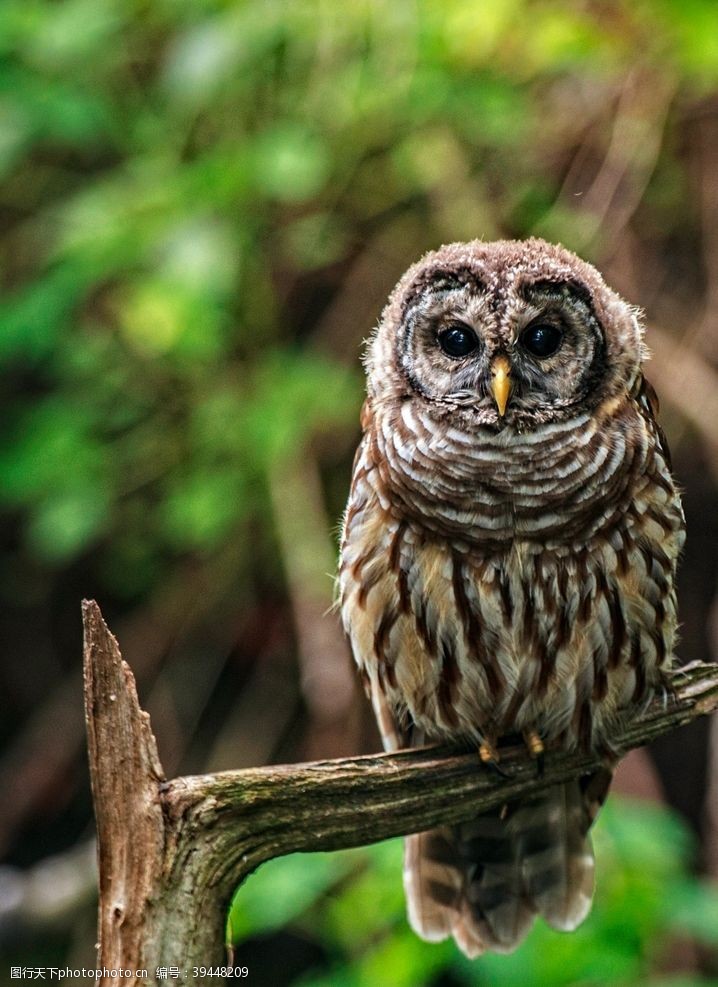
650 407
393 735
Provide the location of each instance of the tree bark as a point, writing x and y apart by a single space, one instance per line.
172 853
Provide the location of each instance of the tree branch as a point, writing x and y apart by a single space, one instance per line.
171 853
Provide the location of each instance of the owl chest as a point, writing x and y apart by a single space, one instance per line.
561 483
470 645
445 636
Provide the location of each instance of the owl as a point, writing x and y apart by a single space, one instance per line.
508 560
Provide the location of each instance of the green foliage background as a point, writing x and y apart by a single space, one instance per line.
204 205
354 904
185 183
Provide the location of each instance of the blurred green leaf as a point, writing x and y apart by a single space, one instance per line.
200 510
72 31
63 525
294 395
62 111
51 448
32 318
291 163
284 889
693 910
356 905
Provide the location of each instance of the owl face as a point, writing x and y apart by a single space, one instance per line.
504 335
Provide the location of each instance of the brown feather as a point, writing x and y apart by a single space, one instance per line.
513 573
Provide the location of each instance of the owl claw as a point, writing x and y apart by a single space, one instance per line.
533 743
489 757
536 749
488 753
666 690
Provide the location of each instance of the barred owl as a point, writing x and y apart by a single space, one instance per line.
508 559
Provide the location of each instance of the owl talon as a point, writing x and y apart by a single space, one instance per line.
536 750
489 757
533 743
488 753
665 691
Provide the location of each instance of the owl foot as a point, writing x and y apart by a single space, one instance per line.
536 749
489 757
668 686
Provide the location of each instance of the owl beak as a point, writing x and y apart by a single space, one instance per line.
501 383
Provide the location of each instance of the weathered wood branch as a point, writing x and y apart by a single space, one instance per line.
172 853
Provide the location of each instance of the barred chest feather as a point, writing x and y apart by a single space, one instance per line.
500 588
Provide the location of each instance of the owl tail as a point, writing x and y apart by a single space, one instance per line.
484 881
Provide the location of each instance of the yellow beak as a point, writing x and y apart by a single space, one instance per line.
501 383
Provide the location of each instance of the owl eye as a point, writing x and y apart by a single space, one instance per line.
542 339
458 340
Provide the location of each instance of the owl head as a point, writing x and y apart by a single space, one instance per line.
508 334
